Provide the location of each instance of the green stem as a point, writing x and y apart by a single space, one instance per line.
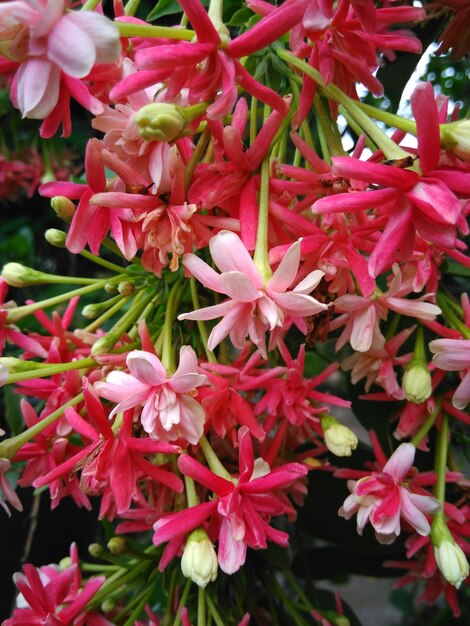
9 447
388 147
396 121
182 602
168 354
201 607
116 581
423 431
450 316
90 5
213 611
213 460
261 251
332 138
99 261
200 324
253 120
50 370
14 315
145 597
357 129
127 29
107 314
196 156
440 460
131 7
191 494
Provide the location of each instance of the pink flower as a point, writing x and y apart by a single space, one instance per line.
56 42
254 306
6 490
454 355
169 410
383 498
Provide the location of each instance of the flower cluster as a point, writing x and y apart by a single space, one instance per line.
205 196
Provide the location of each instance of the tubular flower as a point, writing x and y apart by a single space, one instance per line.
168 409
383 499
254 306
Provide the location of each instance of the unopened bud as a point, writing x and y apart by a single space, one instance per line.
55 237
96 550
110 288
118 545
416 383
63 207
12 365
17 275
339 439
126 288
160 121
456 138
199 560
104 344
108 605
450 557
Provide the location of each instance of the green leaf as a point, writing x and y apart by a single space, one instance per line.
164 7
13 415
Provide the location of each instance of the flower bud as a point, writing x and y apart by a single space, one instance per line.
416 383
55 237
118 545
63 207
160 121
339 439
96 550
13 365
17 275
199 560
456 137
126 288
450 557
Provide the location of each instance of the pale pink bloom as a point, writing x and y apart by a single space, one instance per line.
363 315
254 306
169 411
53 41
6 490
383 498
454 355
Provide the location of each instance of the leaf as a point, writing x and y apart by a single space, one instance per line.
240 17
164 7
13 415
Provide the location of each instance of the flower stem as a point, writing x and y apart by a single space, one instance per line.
200 324
131 7
261 251
128 29
213 460
388 147
50 370
213 611
182 602
396 121
99 261
201 607
423 431
191 494
196 156
9 447
14 315
440 460
107 314
168 355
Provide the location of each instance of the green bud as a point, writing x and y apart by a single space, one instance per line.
17 275
450 557
118 545
160 121
14 365
110 288
55 237
96 550
108 605
456 137
126 288
104 344
63 207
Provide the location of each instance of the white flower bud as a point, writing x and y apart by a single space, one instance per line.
63 207
416 383
199 560
339 439
17 275
452 562
55 237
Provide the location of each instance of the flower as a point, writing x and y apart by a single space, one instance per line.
450 557
168 409
383 498
454 355
6 490
254 306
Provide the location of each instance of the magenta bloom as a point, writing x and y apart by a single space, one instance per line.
168 409
253 306
454 355
383 498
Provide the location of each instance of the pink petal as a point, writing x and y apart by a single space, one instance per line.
363 327
239 287
287 269
38 88
309 283
412 514
102 32
146 367
461 397
203 272
386 175
181 523
231 552
401 461
229 254
297 304
423 105
62 48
